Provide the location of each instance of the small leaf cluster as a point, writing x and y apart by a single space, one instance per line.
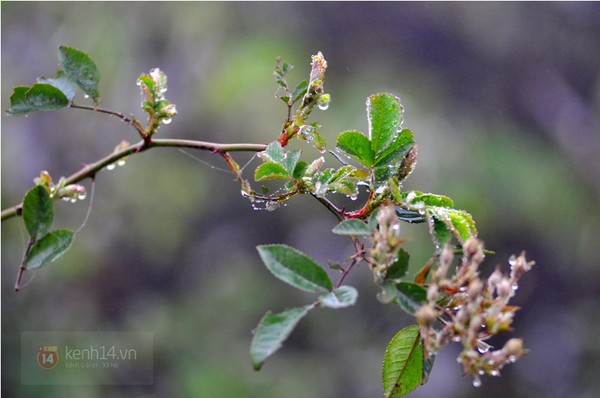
44 245
78 70
302 272
153 87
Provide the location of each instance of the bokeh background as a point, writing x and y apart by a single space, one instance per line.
503 99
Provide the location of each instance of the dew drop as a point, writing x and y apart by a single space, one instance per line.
459 359
86 96
512 359
477 382
322 150
353 197
66 199
272 206
138 82
111 166
456 339
495 373
121 162
481 372
323 106
82 196
166 121
483 347
515 286
73 200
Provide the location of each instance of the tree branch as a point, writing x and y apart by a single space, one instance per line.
90 170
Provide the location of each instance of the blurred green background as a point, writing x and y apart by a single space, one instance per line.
503 99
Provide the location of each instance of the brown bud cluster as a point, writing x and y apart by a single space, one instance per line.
464 308
386 241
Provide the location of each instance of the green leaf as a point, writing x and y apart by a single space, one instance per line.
270 171
385 118
399 267
38 212
428 199
357 146
300 170
409 216
410 296
341 297
295 268
441 233
352 227
299 91
403 363
61 82
39 97
80 69
272 331
286 159
389 162
458 222
49 248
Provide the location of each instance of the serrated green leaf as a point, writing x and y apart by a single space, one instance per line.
399 268
39 97
341 297
458 222
61 82
300 169
397 150
272 331
299 91
286 159
38 212
440 231
403 363
295 268
49 248
357 146
428 199
352 227
410 296
80 69
385 118
270 171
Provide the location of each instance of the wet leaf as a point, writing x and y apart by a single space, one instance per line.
49 248
39 97
295 268
410 296
357 146
399 267
270 171
352 227
272 331
299 91
61 82
397 150
38 212
403 363
385 118
341 297
80 69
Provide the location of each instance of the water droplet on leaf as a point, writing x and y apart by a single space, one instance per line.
111 166
323 106
166 121
477 382
121 162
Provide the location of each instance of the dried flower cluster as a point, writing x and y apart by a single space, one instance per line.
386 241
464 308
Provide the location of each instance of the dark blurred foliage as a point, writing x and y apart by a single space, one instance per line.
503 99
